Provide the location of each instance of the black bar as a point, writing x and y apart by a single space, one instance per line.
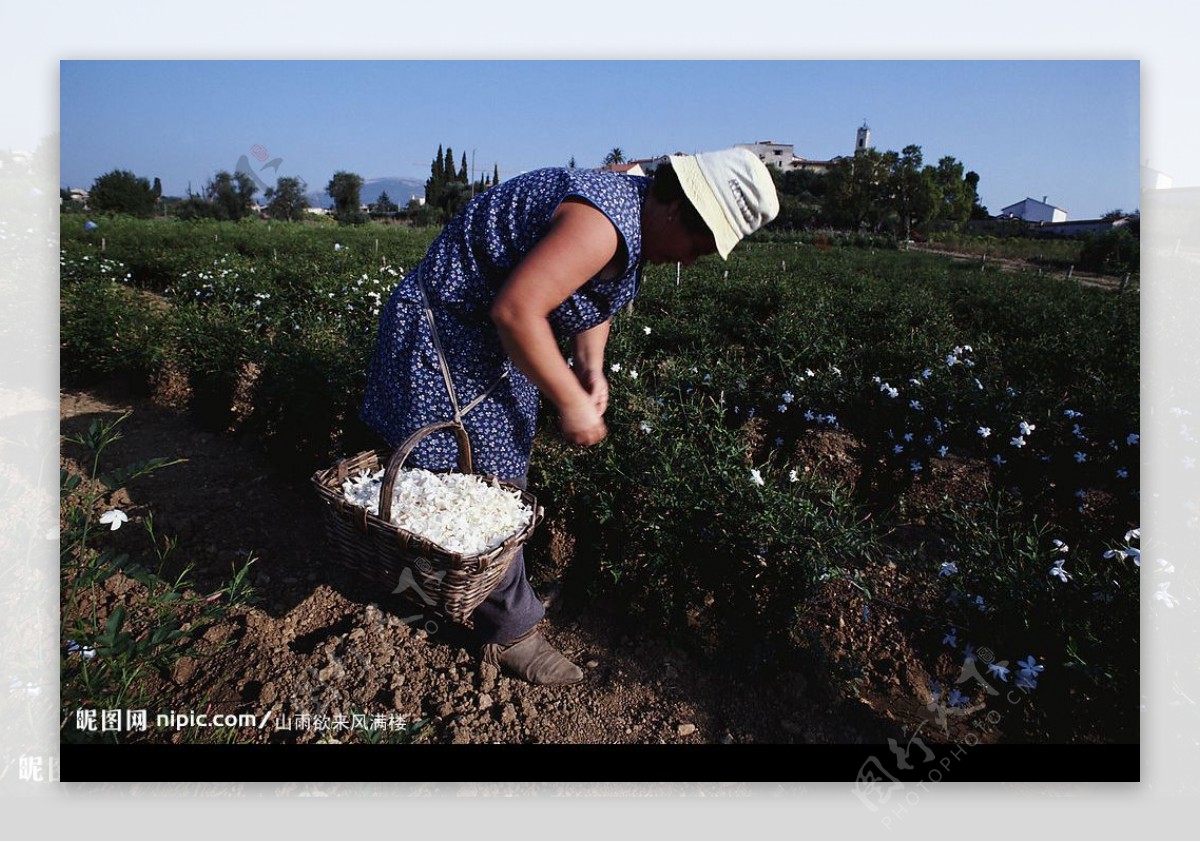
196 763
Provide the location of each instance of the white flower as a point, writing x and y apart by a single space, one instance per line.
998 459
756 477
1058 572
943 450
1134 534
984 431
948 568
793 476
809 372
1080 456
787 397
616 367
781 408
645 428
633 375
115 517
459 512
646 330
1026 428
1060 547
1017 441
1122 473
915 405
893 392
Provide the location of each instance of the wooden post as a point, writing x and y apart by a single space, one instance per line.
1071 271
677 272
103 245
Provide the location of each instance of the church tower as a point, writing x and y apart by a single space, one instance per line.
863 140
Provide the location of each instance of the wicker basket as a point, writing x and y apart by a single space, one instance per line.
448 583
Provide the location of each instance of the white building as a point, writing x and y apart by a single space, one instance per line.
1031 210
778 155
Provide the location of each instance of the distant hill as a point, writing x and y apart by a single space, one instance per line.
399 190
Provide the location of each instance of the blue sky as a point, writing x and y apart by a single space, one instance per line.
1068 130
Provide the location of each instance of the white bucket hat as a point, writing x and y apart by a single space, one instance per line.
732 190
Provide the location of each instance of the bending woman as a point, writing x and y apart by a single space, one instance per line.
551 253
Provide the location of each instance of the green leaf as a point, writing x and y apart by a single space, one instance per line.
123 476
115 621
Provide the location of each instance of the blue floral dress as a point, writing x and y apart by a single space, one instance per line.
460 276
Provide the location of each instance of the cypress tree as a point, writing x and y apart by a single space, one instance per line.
495 174
463 175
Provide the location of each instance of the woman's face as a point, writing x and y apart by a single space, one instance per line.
665 239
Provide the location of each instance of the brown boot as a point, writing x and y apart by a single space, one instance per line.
532 658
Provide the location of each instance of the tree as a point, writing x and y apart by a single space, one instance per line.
384 206
495 174
421 214
286 200
914 192
230 196
345 189
956 196
978 211
616 155
571 163
120 191
463 175
858 190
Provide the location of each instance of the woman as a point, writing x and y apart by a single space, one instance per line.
471 334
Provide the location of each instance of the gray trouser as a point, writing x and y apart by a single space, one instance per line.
512 608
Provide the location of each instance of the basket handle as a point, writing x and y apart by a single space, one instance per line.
397 460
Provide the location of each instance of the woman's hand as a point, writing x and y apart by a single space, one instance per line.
596 385
581 423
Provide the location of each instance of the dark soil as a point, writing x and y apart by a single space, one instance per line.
322 642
